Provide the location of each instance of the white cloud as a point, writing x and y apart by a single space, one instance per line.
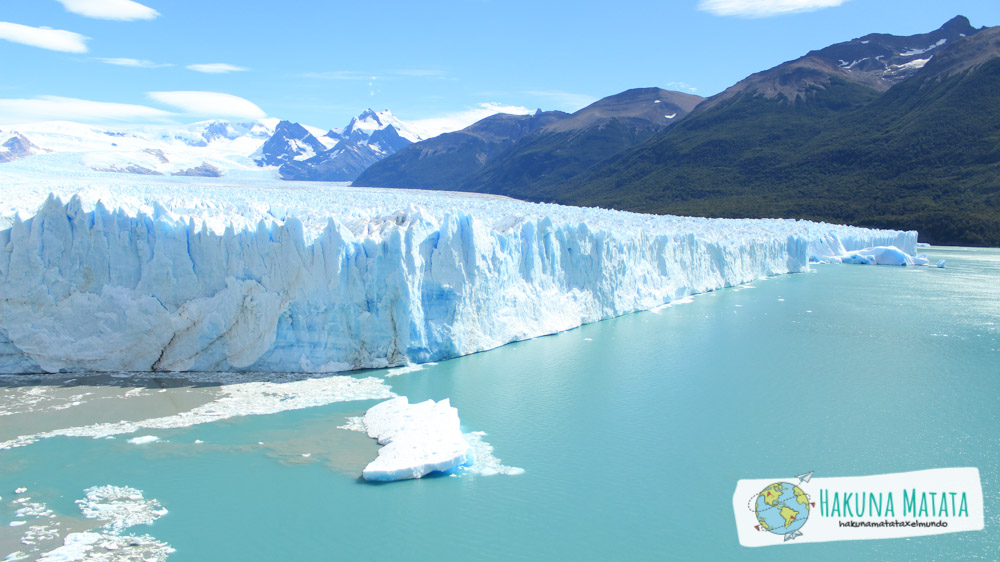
566 101
682 86
212 104
386 75
764 8
421 73
137 63
56 108
123 10
215 68
43 37
434 126
339 75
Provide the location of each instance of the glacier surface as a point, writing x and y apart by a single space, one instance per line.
182 274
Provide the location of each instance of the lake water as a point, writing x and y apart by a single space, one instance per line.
631 432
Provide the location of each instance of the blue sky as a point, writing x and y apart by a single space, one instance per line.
320 62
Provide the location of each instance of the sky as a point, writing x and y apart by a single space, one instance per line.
439 63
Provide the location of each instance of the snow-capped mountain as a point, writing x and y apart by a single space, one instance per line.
269 147
368 138
207 148
370 122
290 141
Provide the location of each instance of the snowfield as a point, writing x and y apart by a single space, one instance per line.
115 273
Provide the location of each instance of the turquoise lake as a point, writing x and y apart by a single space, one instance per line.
631 432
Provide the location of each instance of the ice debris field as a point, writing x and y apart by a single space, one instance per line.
115 508
176 274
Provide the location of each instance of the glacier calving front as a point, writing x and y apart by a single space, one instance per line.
171 277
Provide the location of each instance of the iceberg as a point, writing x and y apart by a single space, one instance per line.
417 439
170 274
880 255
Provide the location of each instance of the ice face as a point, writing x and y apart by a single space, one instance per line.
175 276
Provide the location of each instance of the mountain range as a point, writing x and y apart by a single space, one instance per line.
524 153
882 130
268 147
338 154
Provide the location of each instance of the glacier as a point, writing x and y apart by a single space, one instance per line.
181 274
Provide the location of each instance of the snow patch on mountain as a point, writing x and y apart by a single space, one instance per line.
915 52
370 121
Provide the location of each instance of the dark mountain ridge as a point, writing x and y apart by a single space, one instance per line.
447 161
925 154
520 154
877 61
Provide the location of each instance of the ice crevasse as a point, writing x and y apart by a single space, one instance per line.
103 287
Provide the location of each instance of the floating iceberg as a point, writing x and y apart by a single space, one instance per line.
417 439
881 255
172 276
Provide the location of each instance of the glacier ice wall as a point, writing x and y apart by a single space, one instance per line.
85 287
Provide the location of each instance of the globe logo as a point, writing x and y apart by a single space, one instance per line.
782 509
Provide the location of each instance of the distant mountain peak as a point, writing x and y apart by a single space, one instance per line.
369 121
959 24
656 106
368 137
290 141
16 147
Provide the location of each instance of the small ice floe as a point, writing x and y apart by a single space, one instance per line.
405 369
306 455
485 463
353 423
942 263
31 509
120 507
17 523
198 441
417 439
20 490
143 439
107 546
422 438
